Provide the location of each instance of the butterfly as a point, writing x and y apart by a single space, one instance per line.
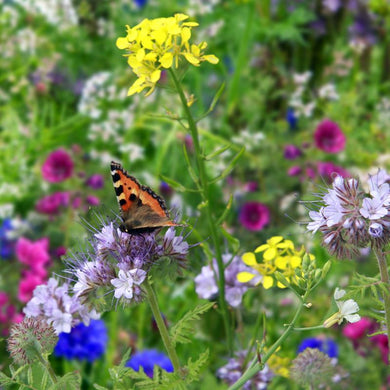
142 209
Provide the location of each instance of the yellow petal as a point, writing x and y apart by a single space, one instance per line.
185 35
211 58
140 55
275 240
295 261
261 248
270 254
195 50
280 285
180 17
249 258
191 59
281 262
166 60
244 277
122 43
155 76
268 282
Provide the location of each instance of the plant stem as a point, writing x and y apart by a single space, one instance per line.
161 325
382 263
255 365
46 364
204 185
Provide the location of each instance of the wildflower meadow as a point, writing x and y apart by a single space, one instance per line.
195 194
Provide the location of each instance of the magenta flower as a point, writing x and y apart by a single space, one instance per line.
27 286
254 216
51 204
58 166
294 170
328 171
34 254
95 181
328 137
357 330
8 314
92 200
291 152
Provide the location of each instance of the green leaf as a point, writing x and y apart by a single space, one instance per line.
217 152
176 185
5 380
213 103
192 173
225 213
234 242
194 368
181 331
230 166
70 381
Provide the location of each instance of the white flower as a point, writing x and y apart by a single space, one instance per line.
347 310
123 285
328 91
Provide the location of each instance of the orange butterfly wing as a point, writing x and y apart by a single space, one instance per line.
142 209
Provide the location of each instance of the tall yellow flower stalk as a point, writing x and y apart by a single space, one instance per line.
157 44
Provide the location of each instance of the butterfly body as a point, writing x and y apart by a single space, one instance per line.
142 209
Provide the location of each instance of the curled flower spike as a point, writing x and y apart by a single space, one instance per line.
158 44
347 310
349 219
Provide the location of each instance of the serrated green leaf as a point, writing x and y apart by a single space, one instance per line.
5 380
181 331
70 381
194 368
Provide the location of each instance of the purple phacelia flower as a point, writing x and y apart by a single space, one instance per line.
349 220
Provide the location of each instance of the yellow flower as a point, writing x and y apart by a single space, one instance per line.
278 255
157 44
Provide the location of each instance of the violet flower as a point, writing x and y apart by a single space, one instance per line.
254 216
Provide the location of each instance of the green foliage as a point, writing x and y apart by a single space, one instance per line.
181 331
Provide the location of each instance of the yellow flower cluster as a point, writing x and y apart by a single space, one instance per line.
159 44
278 255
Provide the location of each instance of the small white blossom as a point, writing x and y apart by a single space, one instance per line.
123 285
347 310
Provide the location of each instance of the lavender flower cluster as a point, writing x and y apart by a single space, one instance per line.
350 219
120 262
53 302
206 281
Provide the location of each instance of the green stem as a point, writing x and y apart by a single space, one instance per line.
310 328
255 366
46 364
161 325
382 263
204 185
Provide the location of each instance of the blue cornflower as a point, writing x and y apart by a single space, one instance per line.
149 358
140 3
83 342
327 346
6 245
291 118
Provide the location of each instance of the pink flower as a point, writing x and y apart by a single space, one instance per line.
8 314
58 166
328 137
254 216
294 170
51 204
381 341
34 254
27 286
92 200
357 330
328 170
291 152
